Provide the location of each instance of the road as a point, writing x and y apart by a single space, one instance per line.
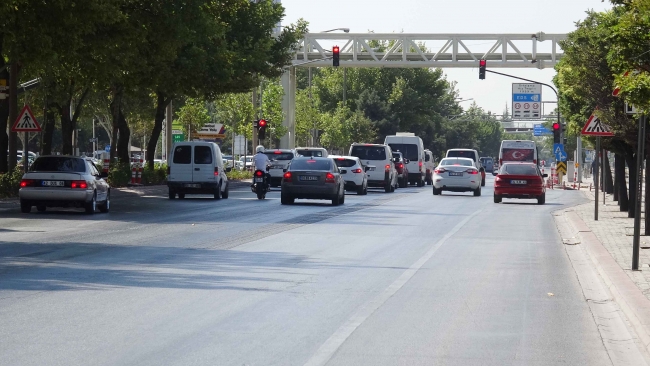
404 278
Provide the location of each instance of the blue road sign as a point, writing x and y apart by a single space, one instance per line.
539 130
558 151
107 148
526 97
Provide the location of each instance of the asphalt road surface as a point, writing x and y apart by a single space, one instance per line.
403 278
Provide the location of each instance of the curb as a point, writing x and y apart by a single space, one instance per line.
634 304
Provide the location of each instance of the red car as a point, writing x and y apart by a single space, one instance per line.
520 180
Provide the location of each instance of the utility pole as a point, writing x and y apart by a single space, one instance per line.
256 116
168 132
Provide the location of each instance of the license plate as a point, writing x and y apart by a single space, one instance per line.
308 177
277 167
517 182
259 180
455 174
53 183
192 186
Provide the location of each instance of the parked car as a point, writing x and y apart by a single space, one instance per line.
429 165
196 167
280 159
312 151
64 181
379 157
228 161
520 180
245 166
456 175
468 153
313 178
353 172
401 165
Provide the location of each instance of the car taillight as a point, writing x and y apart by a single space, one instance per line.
81 184
534 161
259 173
400 165
358 170
286 176
330 178
439 170
387 167
420 164
216 171
26 183
472 171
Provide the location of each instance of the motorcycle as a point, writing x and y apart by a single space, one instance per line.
260 185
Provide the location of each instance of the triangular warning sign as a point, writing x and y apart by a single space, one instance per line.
26 122
594 127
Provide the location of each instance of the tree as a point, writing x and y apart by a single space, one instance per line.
192 116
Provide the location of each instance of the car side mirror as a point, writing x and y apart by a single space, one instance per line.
545 175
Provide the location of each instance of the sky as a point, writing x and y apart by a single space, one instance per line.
454 16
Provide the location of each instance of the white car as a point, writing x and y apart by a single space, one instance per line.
457 175
429 166
280 159
472 154
247 166
379 156
353 173
312 151
196 167
64 181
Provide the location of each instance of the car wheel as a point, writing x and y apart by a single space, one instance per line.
388 187
181 195
41 208
361 190
25 206
286 200
541 199
226 192
421 182
172 194
217 193
483 179
477 192
497 198
365 189
106 206
91 206
336 199
342 200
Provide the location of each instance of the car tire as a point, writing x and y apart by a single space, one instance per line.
217 193
388 187
106 206
361 190
342 199
41 208
336 199
91 207
477 192
483 179
436 191
421 182
541 199
430 180
181 195
172 194
286 200
25 206
226 192
497 198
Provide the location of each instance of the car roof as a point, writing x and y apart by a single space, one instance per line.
313 158
362 144
457 158
343 157
280 150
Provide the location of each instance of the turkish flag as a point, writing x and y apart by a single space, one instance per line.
518 155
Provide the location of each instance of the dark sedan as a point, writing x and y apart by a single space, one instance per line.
313 178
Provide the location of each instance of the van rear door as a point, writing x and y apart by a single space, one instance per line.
180 169
204 163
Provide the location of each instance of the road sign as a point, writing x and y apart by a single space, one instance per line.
558 151
211 131
178 137
107 148
539 130
526 101
594 127
561 167
26 122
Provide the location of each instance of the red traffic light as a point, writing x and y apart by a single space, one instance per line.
556 126
482 63
261 123
335 50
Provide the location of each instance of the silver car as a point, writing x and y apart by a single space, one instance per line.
457 175
64 181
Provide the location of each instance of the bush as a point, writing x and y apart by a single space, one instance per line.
119 174
10 182
155 176
239 175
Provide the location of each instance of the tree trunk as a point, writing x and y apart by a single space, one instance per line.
66 128
609 181
631 163
162 101
4 115
48 131
619 180
123 139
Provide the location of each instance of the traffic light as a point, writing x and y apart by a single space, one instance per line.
556 133
261 129
482 64
335 56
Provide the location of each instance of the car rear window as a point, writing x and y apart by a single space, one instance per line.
461 162
311 164
369 152
59 164
462 154
409 151
202 155
183 154
279 155
316 153
344 163
519 169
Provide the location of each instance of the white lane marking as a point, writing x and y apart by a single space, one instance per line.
332 344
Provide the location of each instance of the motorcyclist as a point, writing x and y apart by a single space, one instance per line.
262 162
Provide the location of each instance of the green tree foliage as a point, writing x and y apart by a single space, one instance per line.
192 116
272 95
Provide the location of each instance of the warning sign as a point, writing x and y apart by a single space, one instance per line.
561 167
594 127
26 122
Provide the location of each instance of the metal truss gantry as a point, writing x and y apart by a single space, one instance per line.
409 50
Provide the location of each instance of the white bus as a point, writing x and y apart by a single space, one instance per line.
517 150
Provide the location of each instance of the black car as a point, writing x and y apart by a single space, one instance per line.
313 178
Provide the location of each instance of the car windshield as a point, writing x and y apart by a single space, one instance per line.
278 155
59 164
462 162
369 152
519 169
316 153
409 151
344 163
461 154
311 164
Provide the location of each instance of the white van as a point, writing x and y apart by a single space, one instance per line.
318 152
197 167
518 150
280 159
379 159
412 148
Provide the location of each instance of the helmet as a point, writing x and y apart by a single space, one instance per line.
259 149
